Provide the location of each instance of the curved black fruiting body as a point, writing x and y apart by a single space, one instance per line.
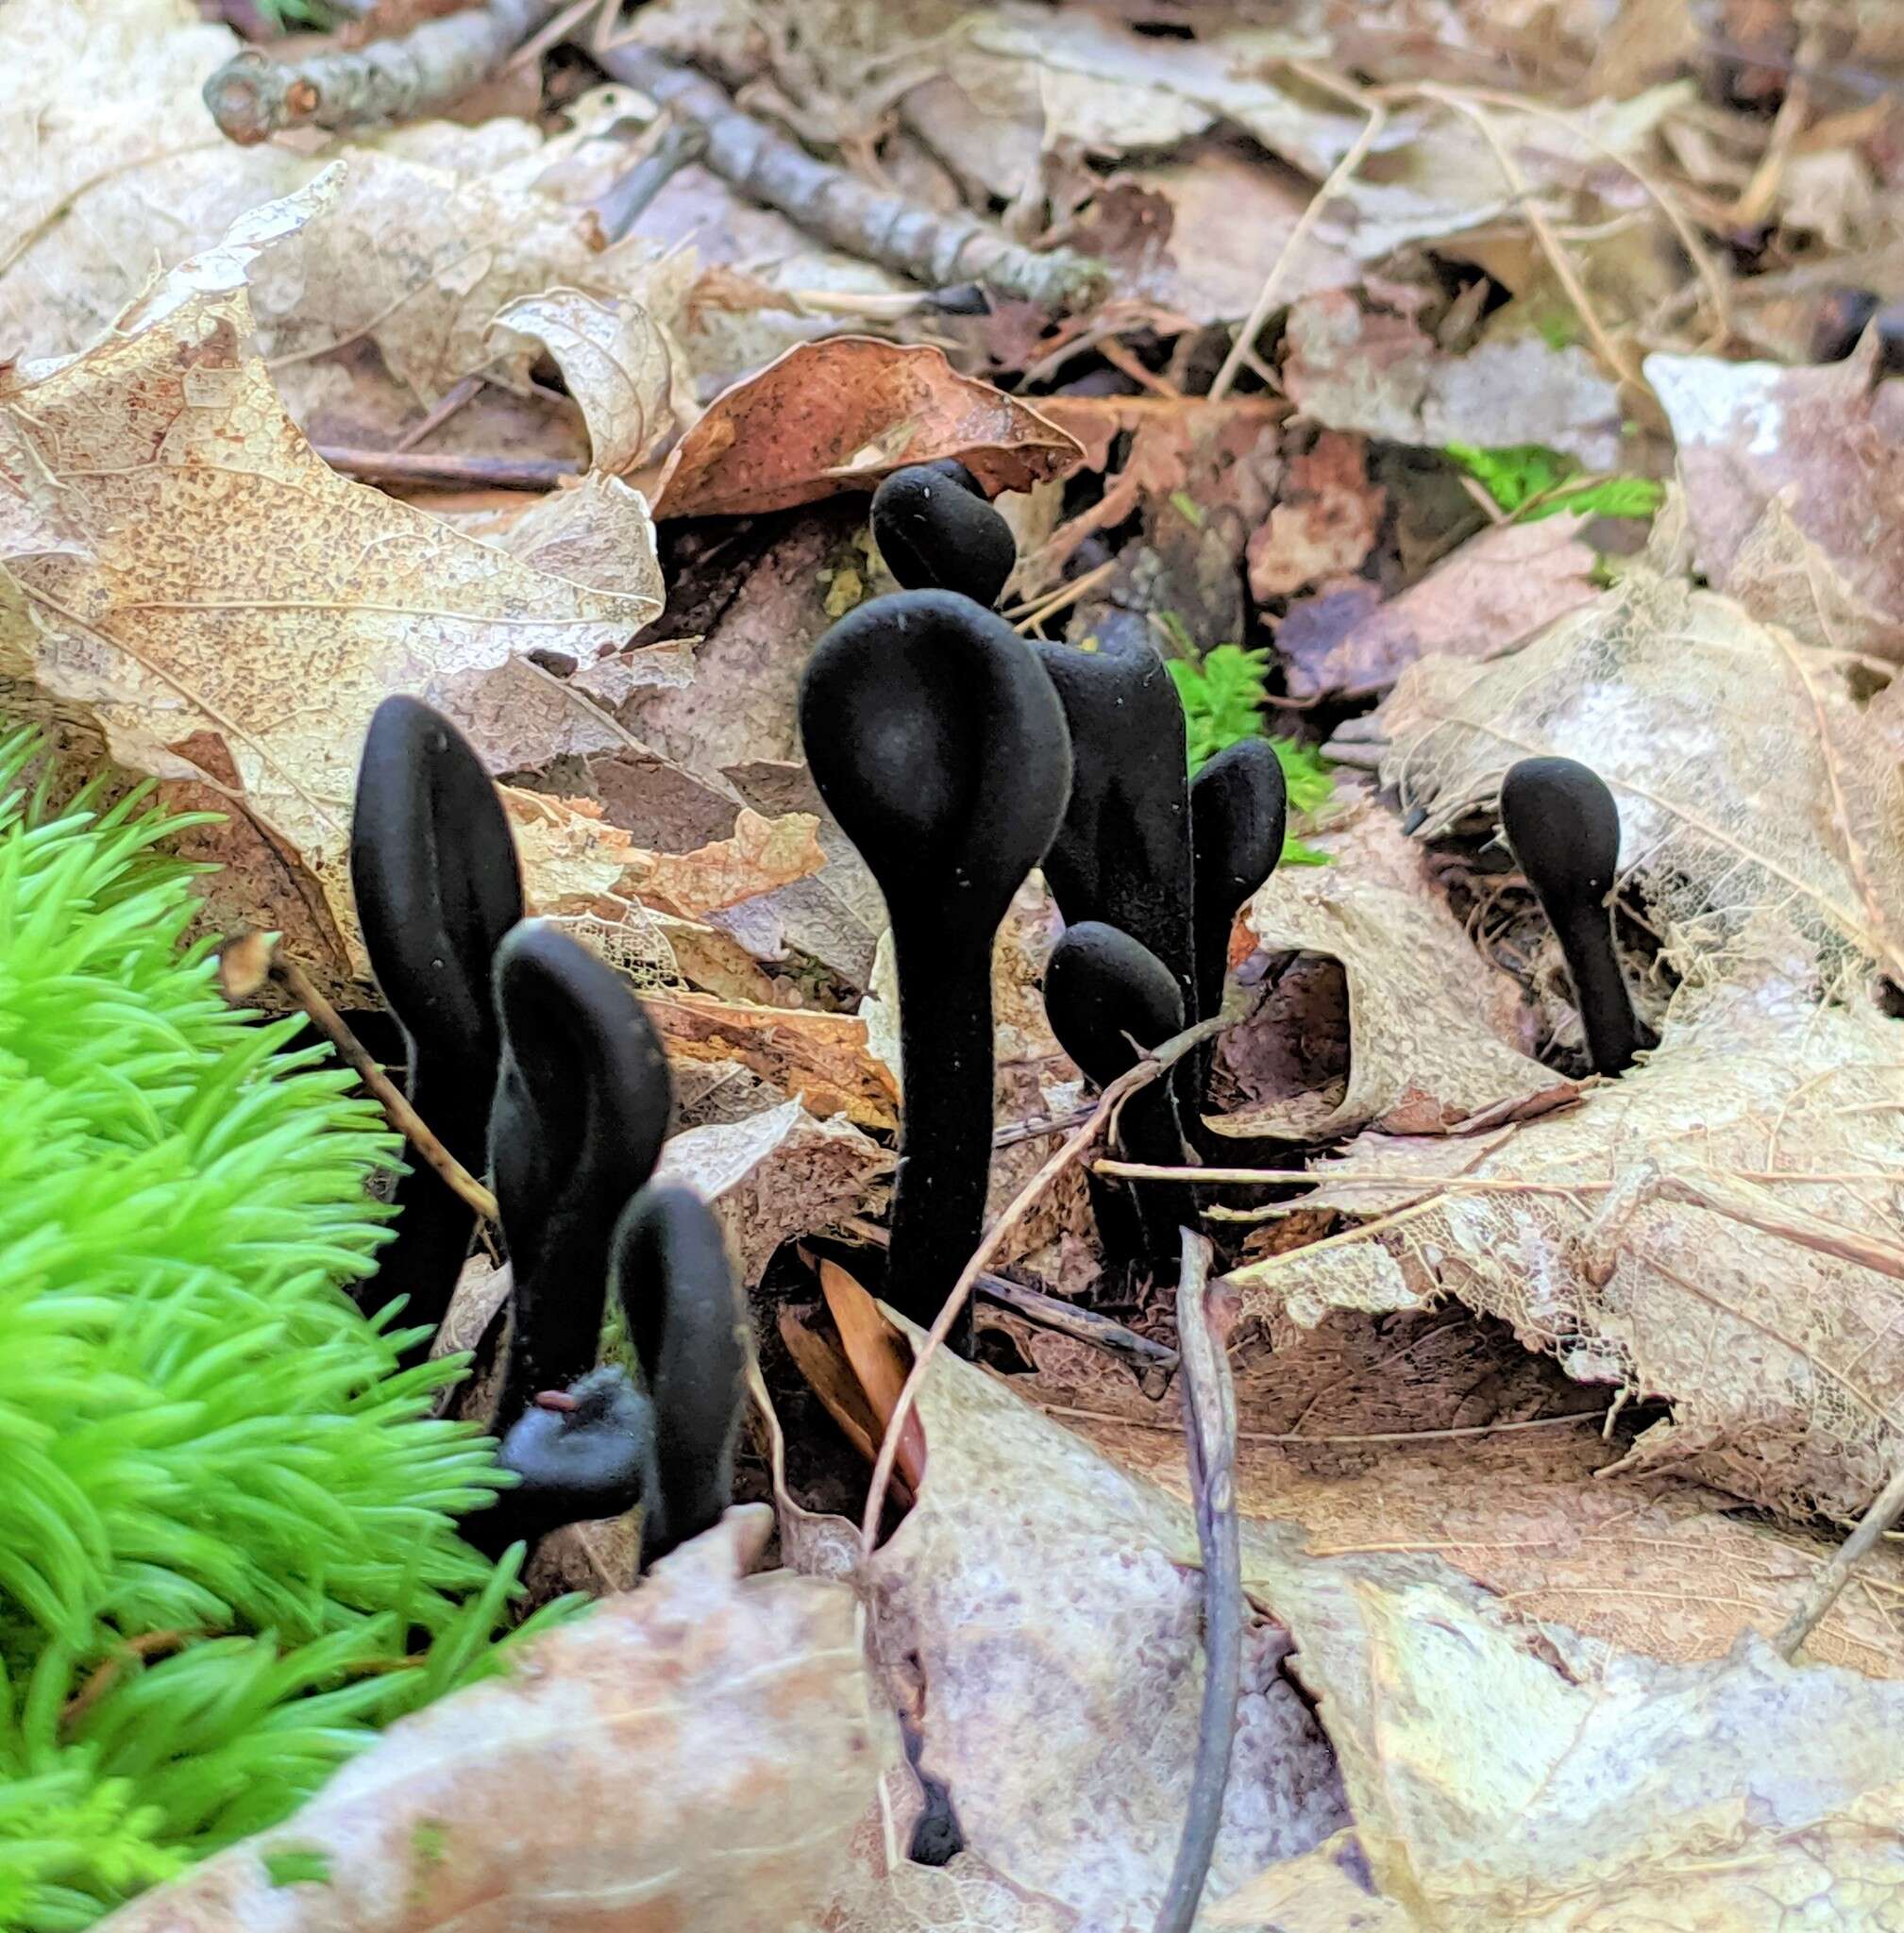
587 1453
581 1108
937 531
1123 855
1564 828
433 872
1240 810
686 1322
1109 1000
939 746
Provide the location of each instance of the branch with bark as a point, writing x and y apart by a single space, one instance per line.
253 97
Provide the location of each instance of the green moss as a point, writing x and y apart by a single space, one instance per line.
227 1551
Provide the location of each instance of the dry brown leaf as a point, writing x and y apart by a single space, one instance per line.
1824 445
1748 779
777 1174
880 1361
1494 594
1325 524
842 414
1497 1773
1377 373
231 610
697 1752
1670 1236
763 854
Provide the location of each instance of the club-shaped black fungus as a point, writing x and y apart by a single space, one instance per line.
1240 810
1122 854
937 531
939 746
433 871
1564 828
1109 1000
582 1105
580 1453
686 1322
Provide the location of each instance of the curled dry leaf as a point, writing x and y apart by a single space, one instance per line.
1381 374
1494 594
1823 449
697 1752
1495 1773
1748 778
1671 1236
230 610
840 415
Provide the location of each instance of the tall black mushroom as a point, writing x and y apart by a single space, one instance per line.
1563 827
939 746
434 875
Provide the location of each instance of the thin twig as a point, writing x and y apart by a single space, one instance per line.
1272 289
237 963
1210 1436
1837 1573
1305 1442
1145 1071
463 391
622 202
888 230
253 97
412 467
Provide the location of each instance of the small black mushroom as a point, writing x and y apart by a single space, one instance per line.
580 1454
1122 854
1564 828
1240 810
581 1108
687 1323
939 746
433 872
937 531
1109 1000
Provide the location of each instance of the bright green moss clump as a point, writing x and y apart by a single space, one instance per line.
226 1549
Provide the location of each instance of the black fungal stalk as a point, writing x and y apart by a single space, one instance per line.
687 1323
939 746
433 871
1240 810
1564 828
937 531
581 1108
1110 1001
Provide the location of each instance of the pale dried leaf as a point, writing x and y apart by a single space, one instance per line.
696 1752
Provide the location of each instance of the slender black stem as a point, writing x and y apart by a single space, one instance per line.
1613 1028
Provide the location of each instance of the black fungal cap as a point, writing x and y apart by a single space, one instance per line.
939 746
937 530
1109 1000
581 1108
434 875
687 1323
1564 828
581 1454
1240 810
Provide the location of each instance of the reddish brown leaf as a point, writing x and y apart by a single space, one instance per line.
839 414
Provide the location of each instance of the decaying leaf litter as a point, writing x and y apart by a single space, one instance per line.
1504 377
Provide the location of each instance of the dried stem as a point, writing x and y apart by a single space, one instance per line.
331 1024
1837 1573
886 229
408 468
1145 1071
1210 1436
253 97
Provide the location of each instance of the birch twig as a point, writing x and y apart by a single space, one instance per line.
253 97
934 249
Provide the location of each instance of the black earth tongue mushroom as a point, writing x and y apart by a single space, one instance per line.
1109 1000
937 531
1563 828
580 1454
433 871
582 1105
1240 810
687 1323
939 746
